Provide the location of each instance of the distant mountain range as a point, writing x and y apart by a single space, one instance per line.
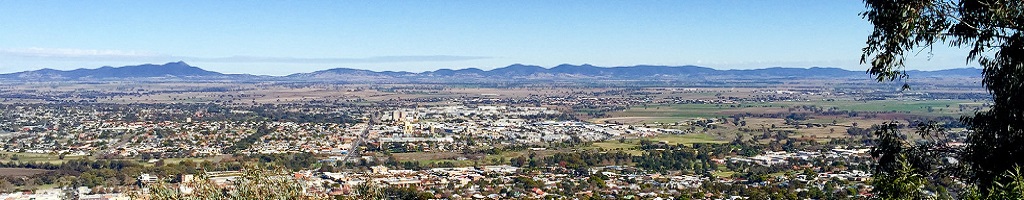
182 71
174 69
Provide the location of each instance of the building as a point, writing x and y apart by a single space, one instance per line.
146 178
379 169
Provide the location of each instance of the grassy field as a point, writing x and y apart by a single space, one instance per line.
615 144
688 139
626 146
939 107
36 157
723 174
667 114
681 112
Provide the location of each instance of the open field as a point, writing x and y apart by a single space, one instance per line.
615 145
870 113
35 157
723 174
636 120
679 112
939 107
826 127
687 139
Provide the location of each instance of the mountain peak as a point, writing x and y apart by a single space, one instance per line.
565 65
177 63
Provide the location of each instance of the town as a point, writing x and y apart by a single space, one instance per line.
531 142
489 100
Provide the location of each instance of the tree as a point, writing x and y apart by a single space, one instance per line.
371 191
518 161
254 183
992 30
6 186
894 176
1013 189
901 164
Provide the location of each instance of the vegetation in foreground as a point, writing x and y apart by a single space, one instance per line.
989 161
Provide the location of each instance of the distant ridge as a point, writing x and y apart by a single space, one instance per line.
564 72
170 70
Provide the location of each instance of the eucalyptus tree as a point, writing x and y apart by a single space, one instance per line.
992 32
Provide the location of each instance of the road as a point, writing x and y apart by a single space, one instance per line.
354 151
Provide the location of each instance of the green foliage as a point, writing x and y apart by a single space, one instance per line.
992 30
259 183
903 166
597 180
585 159
901 26
527 182
900 183
254 183
889 147
519 161
1013 189
682 158
373 192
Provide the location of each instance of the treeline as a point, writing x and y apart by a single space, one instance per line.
574 160
105 174
294 161
586 159
656 157
88 173
686 160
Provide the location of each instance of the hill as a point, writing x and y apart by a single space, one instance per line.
516 72
168 70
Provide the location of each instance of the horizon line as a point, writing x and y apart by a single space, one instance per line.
486 70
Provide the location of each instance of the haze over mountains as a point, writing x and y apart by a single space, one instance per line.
565 72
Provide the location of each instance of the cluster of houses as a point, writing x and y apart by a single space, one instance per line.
483 182
436 128
431 126
772 158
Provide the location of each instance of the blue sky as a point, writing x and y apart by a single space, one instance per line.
283 37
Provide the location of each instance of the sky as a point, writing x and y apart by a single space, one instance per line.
284 37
